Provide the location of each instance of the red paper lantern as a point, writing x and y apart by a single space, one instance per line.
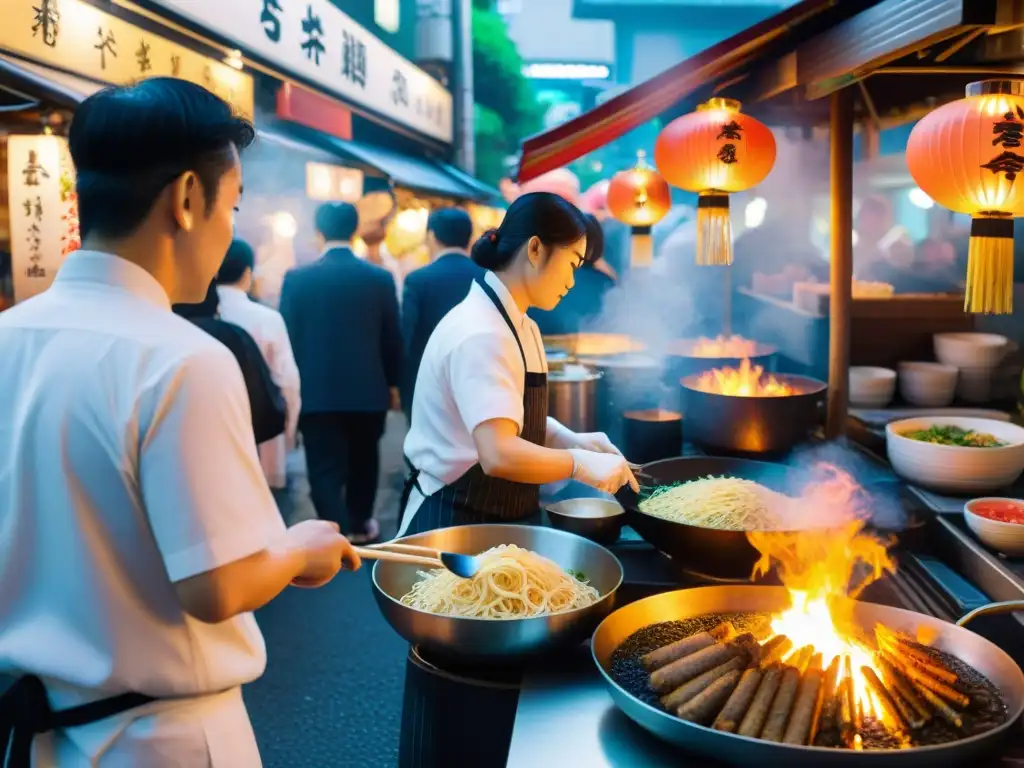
715 151
639 197
967 156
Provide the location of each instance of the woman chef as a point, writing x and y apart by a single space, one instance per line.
481 442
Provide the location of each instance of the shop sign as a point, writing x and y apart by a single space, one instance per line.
43 210
317 41
80 38
333 183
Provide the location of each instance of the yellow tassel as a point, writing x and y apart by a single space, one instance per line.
714 233
641 247
989 276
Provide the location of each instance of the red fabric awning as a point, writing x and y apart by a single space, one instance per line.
602 125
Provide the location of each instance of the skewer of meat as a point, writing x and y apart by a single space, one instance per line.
800 721
702 707
659 658
673 675
688 690
739 702
778 715
757 713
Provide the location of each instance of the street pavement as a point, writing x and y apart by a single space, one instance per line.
332 693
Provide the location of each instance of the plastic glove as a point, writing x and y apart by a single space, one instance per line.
606 472
595 441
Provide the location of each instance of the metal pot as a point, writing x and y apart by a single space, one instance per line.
630 382
986 657
572 397
753 425
651 435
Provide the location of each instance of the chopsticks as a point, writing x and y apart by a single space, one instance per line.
401 553
639 472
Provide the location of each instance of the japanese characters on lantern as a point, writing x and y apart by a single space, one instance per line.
44 221
966 155
714 152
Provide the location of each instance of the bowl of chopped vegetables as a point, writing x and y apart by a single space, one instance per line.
956 454
999 523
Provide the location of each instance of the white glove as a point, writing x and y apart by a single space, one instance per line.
595 441
604 471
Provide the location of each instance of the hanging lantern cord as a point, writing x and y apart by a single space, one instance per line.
990 265
714 230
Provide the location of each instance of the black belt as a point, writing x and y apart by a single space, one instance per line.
25 713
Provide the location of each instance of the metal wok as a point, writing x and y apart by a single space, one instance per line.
712 552
494 640
973 649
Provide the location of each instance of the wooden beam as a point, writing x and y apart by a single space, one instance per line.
841 125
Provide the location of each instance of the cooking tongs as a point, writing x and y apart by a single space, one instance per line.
465 566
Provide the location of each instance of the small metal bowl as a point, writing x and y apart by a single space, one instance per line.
596 519
498 640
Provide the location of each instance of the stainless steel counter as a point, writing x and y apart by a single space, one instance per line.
566 719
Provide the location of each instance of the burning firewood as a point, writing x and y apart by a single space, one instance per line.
801 658
778 714
799 728
757 713
945 711
689 690
900 646
890 711
702 707
775 649
898 683
739 702
923 679
681 671
849 713
826 699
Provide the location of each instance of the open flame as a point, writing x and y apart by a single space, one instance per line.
746 381
825 566
724 346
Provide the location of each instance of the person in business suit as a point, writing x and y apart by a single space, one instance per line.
431 291
342 317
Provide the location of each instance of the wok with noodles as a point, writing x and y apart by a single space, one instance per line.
721 503
512 583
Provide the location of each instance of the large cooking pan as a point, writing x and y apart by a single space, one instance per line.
681 362
713 552
753 425
973 649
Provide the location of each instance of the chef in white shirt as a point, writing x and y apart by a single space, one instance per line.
137 532
481 442
266 326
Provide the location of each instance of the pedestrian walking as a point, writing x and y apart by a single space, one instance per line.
342 317
137 532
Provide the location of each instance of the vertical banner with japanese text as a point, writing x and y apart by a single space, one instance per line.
43 215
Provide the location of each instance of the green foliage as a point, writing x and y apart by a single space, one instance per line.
503 96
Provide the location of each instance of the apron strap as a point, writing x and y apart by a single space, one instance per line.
25 713
504 314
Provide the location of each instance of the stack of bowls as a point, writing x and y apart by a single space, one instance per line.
928 385
871 387
977 357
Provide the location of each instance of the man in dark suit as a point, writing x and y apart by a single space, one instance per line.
342 318
431 291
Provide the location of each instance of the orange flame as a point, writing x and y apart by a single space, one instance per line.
723 346
825 560
746 381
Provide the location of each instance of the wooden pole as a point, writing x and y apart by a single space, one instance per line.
841 262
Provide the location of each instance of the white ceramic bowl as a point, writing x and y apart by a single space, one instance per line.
1007 538
871 387
931 385
970 350
954 468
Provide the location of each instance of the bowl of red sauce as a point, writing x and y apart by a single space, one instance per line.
998 522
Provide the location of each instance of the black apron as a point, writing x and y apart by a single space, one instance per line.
477 497
25 713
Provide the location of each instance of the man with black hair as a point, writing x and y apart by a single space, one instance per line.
431 291
266 326
342 317
137 533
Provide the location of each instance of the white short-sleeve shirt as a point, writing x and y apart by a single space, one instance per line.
471 372
127 463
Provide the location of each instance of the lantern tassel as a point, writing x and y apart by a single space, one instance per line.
714 230
641 247
990 267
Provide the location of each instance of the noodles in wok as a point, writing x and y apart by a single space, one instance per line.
724 503
512 583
